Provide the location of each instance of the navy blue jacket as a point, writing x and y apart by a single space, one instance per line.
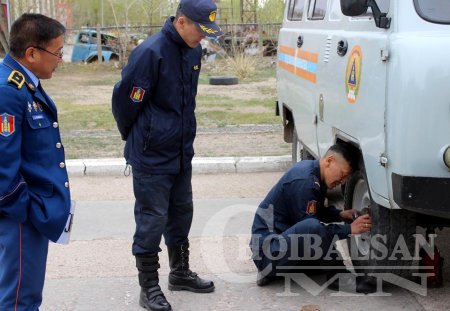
154 103
298 195
33 178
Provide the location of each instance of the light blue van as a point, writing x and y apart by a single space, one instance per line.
374 75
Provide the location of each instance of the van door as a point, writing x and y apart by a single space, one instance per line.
296 72
351 87
81 48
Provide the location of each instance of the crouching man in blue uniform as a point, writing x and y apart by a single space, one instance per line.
34 188
153 106
293 228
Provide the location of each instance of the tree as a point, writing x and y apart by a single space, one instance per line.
124 34
4 33
270 11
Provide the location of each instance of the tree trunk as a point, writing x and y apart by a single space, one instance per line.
99 45
4 34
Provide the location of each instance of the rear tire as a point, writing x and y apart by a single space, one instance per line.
391 228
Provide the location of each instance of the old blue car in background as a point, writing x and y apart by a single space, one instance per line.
85 47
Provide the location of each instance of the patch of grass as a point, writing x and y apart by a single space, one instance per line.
85 117
248 68
211 101
93 147
221 118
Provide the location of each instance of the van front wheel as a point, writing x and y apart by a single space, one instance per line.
389 246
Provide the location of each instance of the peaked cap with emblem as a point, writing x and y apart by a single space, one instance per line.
203 14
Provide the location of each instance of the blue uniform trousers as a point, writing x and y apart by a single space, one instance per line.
23 254
297 246
163 207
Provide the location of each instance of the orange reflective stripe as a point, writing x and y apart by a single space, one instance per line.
286 66
287 50
306 75
308 56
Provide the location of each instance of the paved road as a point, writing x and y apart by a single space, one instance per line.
96 271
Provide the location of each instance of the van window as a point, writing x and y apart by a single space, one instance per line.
84 38
435 11
296 10
317 9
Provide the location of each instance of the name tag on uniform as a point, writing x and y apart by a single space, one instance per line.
65 235
37 116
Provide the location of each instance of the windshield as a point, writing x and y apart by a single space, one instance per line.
435 11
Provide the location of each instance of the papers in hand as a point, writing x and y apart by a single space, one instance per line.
65 236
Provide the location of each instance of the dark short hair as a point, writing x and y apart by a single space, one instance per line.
180 13
33 30
348 152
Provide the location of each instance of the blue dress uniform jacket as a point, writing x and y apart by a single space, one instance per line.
298 195
33 178
154 103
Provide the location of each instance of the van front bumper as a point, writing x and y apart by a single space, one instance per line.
426 195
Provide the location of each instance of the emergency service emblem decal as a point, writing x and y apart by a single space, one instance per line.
137 94
7 124
311 209
353 74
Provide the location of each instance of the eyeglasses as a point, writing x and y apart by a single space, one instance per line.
59 55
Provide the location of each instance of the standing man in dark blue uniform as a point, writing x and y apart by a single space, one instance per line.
289 227
34 187
154 107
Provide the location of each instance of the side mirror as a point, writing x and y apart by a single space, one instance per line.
354 7
359 7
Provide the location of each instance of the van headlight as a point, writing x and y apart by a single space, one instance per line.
447 156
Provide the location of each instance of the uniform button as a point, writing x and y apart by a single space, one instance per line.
55 124
66 184
62 165
58 145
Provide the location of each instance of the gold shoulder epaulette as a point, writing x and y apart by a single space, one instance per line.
16 78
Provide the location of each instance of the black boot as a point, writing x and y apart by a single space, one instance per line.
151 297
262 279
348 282
180 276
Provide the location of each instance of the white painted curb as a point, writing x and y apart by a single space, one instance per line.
201 165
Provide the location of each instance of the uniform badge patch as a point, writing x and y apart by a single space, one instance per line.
7 127
311 209
212 16
16 78
137 94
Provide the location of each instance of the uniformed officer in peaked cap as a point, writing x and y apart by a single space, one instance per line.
34 188
154 107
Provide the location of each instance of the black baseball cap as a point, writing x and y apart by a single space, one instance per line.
203 14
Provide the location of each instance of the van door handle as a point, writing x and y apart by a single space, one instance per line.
342 47
300 41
